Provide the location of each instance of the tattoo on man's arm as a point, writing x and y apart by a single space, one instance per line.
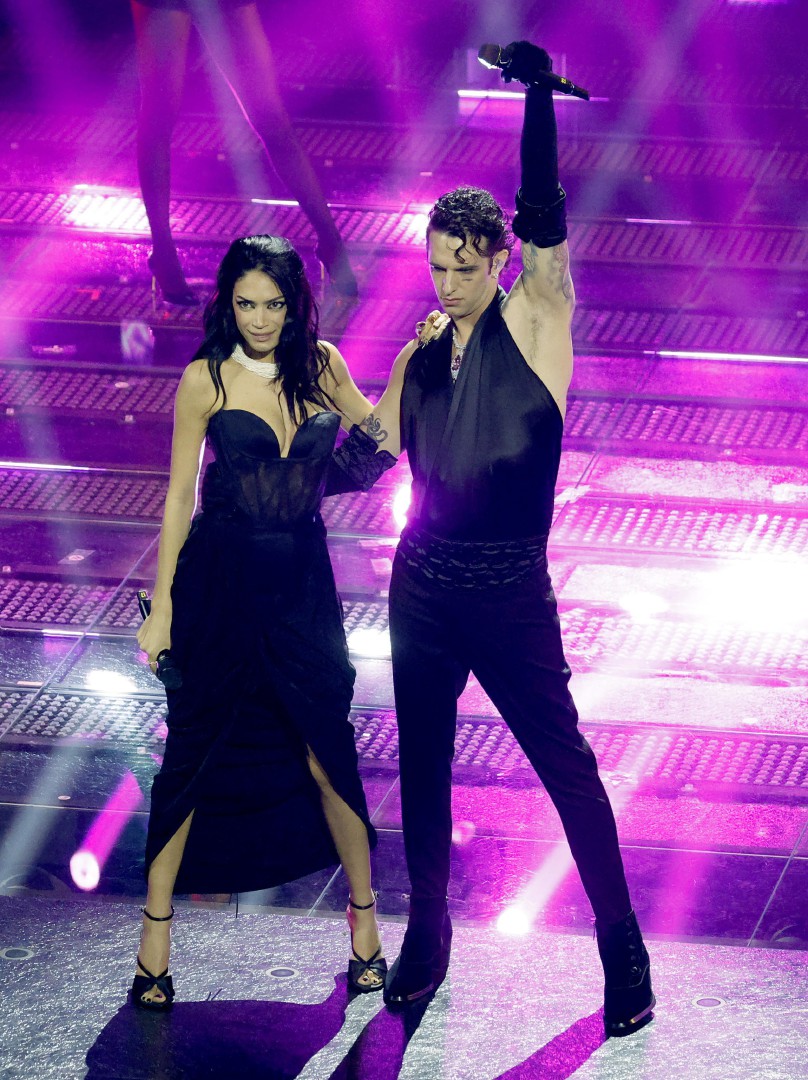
557 267
374 428
560 277
529 260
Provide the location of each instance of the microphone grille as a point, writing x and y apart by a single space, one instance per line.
489 55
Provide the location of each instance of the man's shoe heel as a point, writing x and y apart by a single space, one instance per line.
411 981
628 1000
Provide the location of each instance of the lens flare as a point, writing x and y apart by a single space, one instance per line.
463 832
643 606
85 871
365 641
514 922
87 862
109 682
756 593
88 208
401 504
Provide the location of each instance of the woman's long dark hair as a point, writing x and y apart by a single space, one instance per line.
302 359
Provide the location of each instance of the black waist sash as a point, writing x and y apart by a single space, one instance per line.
482 565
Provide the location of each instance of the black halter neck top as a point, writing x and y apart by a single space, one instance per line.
485 453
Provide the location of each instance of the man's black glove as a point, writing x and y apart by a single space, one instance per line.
540 202
526 60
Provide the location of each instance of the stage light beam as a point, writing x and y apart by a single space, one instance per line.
88 861
365 641
401 505
85 871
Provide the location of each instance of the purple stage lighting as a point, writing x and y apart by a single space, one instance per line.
87 208
365 641
87 863
109 682
85 871
401 505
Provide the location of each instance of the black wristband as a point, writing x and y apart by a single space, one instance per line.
356 464
545 226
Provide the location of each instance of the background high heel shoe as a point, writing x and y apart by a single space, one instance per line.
333 257
168 282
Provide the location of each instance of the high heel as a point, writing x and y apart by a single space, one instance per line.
333 257
423 962
163 288
142 984
359 967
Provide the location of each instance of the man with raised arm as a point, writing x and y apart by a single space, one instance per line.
479 409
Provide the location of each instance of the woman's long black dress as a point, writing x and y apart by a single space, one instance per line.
257 634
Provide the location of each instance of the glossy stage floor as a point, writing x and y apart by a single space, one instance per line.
678 555
260 999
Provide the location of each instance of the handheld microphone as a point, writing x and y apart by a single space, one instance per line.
167 671
494 56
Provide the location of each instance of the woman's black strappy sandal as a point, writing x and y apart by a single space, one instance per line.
144 983
359 967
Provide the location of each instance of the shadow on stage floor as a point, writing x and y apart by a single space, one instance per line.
247 1039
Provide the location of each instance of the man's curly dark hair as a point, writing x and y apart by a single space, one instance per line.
472 214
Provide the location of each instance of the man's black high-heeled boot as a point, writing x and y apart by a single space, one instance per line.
628 998
424 958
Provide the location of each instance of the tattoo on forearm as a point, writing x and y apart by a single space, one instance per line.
560 271
528 259
374 428
557 267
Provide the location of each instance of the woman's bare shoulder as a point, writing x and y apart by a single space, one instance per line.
196 386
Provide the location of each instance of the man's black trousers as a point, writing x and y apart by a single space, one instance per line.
509 636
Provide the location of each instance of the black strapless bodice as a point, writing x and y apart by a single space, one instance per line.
252 482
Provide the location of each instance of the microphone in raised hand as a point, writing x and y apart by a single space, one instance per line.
528 64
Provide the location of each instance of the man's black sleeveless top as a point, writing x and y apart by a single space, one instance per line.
484 455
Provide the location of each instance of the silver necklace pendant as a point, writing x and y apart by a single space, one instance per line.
457 358
267 369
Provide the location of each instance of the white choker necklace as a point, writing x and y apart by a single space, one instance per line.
267 369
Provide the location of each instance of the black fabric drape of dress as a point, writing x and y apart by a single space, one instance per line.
257 633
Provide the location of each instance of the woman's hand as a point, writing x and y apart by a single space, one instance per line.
432 327
155 635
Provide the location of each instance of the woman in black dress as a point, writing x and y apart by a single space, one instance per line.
259 783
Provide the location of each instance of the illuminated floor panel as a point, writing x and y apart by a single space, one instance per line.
202 218
87 393
681 527
597 327
45 603
596 638
696 428
85 493
693 763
